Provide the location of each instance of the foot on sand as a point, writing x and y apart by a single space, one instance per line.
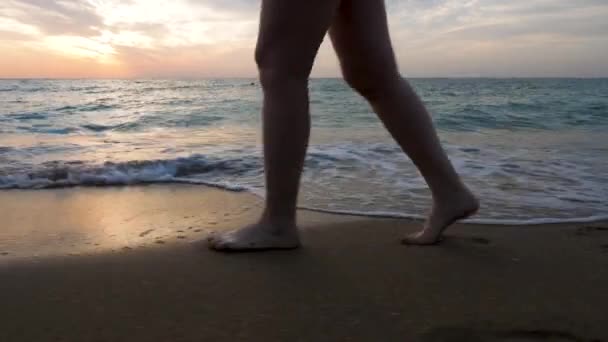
260 236
445 212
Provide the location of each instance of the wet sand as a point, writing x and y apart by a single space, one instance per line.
119 264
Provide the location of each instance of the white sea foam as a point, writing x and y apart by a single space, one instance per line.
509 222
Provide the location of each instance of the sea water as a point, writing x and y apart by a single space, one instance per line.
533 150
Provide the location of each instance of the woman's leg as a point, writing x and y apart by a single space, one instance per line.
291 32
361 39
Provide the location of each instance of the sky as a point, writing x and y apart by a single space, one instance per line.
216 38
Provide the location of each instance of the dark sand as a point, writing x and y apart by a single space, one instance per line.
101 274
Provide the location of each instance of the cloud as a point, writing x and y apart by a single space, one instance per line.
233 7
499 38
150 29
202 38
198 61
53 17
493 19
13 36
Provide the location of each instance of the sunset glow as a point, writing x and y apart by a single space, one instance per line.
216 38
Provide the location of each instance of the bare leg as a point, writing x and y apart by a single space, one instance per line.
360 36
289 38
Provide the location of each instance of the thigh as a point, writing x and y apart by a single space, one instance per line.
291 32
360 36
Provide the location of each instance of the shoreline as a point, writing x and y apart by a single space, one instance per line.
158 214
471 221
239 189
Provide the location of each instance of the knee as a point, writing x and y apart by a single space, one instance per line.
278 69
371 82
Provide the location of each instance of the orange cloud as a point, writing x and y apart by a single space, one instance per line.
32 63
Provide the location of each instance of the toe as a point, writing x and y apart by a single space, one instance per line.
410 239
225 242
211 236
420 240
216 242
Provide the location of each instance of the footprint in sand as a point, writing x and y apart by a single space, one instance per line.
180 231
197 230
144 233
181 236
481 240
540 335
160 242
588 230
592 230
3 253
472 335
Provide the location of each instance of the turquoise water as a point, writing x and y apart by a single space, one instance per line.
535 150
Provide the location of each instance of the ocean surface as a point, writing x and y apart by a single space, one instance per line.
534 150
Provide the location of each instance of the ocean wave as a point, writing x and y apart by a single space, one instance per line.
33 90
67 108
49 130
58 174
28 116
180 171
96 107
86 88
92 107
179 87
354 179
118 127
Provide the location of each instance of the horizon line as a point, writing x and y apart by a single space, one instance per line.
255 77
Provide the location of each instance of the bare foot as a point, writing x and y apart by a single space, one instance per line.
260 236
445 212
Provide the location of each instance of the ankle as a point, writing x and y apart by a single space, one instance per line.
456 192
279 221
